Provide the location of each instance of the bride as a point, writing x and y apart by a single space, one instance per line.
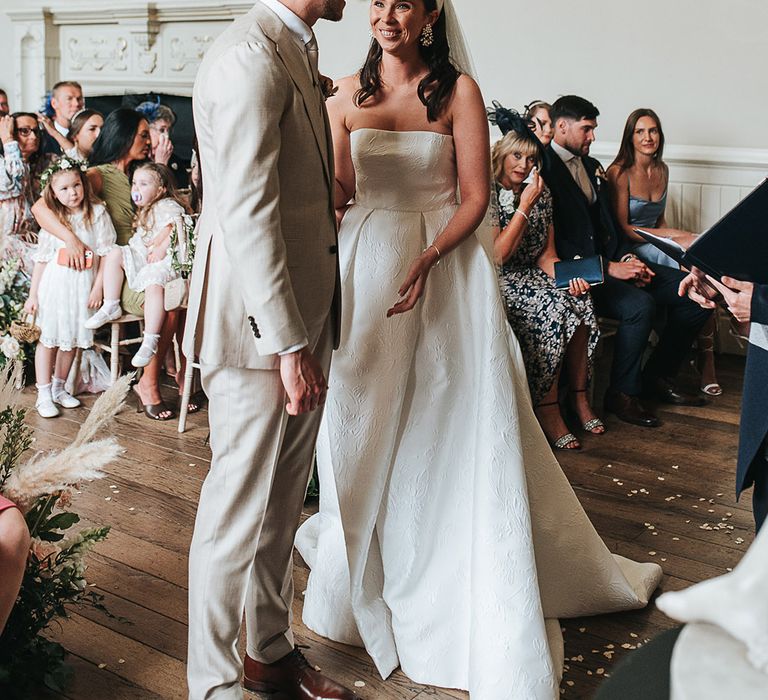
447 532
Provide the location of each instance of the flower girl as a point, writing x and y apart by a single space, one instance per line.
147 261
63 296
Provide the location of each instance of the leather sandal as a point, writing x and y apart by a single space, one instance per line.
153 411
713 388
562 442
196 402
594 423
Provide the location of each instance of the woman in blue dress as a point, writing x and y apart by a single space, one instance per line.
639 182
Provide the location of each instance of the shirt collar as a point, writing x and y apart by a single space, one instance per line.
565 155
63 130
297 26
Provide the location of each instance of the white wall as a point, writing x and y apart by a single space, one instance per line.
6 52
700 63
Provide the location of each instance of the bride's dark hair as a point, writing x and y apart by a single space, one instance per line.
436 89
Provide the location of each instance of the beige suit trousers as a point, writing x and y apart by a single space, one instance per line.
249 511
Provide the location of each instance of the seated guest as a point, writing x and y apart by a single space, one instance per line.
638 180
14 550
85 129
585 226
66 101
525 249
4 108
20 170
161 119
538 115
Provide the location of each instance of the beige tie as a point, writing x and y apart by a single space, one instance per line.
313 56
579 173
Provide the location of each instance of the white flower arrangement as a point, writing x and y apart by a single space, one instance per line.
10 347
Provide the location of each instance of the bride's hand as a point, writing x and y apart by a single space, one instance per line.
412 288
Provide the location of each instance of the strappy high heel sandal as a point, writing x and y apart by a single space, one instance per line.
713 388
592 425
153 411
568 441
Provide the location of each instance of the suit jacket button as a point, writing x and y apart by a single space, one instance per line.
332 250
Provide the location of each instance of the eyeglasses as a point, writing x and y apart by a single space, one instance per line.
27 130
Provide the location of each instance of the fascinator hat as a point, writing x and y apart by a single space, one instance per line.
509 121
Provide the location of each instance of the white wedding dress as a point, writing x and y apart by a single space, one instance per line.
447 531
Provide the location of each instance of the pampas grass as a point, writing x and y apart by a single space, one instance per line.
48 474
107 406
83 460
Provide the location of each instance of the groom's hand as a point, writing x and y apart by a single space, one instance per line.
303 380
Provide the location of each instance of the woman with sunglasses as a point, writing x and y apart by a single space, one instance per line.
21 164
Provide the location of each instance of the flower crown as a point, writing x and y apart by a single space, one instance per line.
64 163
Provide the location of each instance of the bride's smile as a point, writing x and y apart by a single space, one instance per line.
398 23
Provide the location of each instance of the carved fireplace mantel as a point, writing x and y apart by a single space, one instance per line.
113 48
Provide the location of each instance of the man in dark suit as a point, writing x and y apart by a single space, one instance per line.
748 303
633 291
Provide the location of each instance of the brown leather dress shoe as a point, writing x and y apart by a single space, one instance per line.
629 409
664 390
292 678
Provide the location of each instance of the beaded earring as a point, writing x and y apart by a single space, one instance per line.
427 36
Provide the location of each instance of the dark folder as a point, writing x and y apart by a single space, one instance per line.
736 246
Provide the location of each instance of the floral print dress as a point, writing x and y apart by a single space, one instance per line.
543 317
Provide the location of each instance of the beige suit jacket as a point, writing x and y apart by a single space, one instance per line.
266 269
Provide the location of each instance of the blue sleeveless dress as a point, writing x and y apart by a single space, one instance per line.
645 214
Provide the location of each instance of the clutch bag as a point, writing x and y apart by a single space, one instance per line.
589 269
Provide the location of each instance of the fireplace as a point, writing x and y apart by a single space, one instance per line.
113 49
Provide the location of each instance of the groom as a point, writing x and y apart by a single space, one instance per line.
263 319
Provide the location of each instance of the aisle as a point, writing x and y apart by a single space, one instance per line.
664 495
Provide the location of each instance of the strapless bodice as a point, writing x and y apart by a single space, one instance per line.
404 170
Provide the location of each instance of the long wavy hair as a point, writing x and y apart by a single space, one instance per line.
625 158
62 212
116 136
436 89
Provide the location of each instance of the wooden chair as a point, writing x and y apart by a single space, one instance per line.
186 392
115 343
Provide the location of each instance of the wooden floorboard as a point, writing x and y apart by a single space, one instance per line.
664 495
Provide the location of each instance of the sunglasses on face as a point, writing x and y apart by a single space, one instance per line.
26 131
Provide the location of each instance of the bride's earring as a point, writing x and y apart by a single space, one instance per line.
427 36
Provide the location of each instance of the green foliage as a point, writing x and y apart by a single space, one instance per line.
14 290
54 580
16 437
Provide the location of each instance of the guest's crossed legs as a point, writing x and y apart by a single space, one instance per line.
250 507
635 309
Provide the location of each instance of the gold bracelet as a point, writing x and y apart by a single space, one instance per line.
437 250
525 216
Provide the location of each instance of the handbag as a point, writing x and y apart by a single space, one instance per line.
176 294
589 269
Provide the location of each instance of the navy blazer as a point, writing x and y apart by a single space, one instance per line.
580 228
754 404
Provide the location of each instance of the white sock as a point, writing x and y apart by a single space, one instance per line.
57 386
110 305
150 341
736 602
43 390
